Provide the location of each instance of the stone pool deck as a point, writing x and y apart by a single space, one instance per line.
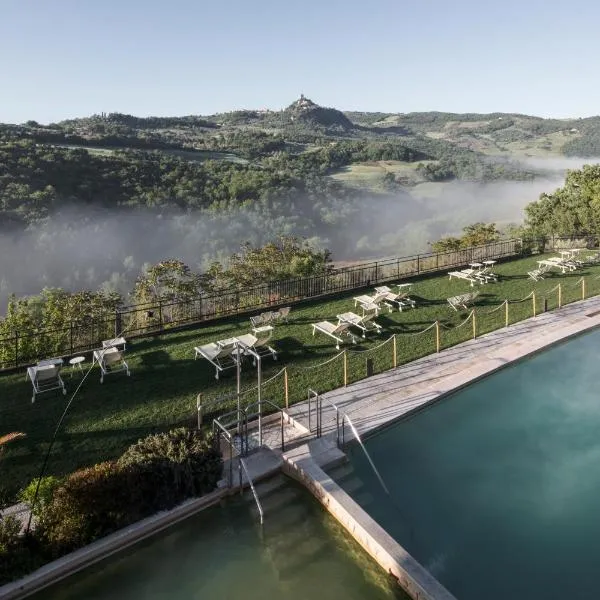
381 399
378 400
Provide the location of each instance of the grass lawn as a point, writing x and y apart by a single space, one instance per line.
161 392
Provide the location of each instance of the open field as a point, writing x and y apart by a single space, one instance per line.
370 175
165 380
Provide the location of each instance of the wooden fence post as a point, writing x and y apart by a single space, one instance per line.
286 388
506 313
533 302
582 288
474 325
559 295
395 353
437 336
345 368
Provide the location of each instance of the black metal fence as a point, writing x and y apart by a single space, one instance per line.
25 347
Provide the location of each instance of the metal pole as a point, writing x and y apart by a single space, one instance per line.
259 370
199 410
238 370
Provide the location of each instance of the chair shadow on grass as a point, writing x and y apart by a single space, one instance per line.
155 358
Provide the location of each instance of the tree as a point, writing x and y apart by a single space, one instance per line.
287 258
476 234
570 210
170 280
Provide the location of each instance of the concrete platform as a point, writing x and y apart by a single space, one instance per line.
378 400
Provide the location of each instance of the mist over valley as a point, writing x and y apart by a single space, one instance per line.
90 203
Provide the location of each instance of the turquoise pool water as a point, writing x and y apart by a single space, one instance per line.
496 489
301 553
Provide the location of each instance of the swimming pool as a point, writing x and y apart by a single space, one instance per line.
301 553
496 488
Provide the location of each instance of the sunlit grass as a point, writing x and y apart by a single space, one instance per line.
166 379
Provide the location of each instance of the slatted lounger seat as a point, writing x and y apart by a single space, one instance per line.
334 331
111 361
462 275
463 301
401 300
364 323
45 376
258 342
221 354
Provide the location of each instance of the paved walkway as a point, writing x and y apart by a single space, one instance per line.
377 400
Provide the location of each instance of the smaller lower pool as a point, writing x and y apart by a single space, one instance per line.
495 489
301 553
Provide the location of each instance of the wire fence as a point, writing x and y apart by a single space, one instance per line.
25 347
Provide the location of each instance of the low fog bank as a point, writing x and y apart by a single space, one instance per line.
88 250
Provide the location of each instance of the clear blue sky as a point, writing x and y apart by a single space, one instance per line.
70 58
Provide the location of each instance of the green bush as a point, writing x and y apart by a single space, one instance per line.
170 467
47 487
16 558
156 473
89 504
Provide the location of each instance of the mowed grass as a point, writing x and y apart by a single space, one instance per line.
161 392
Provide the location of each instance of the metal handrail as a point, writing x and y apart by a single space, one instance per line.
316 397
340 424
242 465
220 429
277 409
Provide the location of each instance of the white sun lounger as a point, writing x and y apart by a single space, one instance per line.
45 376
364 323
463 301
401 300
370 303
462 275
119 342
111 361
222 354
334 331
258 341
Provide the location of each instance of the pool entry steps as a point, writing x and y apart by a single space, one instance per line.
307 439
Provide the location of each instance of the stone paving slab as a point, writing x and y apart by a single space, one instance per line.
376 401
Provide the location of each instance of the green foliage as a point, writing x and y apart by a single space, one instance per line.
571 209
476 234
54 310
156 473
89 504
169 467
46 491
287 258
167 281
16 557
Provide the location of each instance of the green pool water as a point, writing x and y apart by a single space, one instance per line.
496 489
300 553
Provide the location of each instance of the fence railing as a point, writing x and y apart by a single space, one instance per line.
25 347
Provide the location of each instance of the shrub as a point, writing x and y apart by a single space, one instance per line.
170 467
89 504
47 487
16 558
156 473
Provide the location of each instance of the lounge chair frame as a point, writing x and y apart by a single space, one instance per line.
364 323
334 331
45 377
111 361
222 354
